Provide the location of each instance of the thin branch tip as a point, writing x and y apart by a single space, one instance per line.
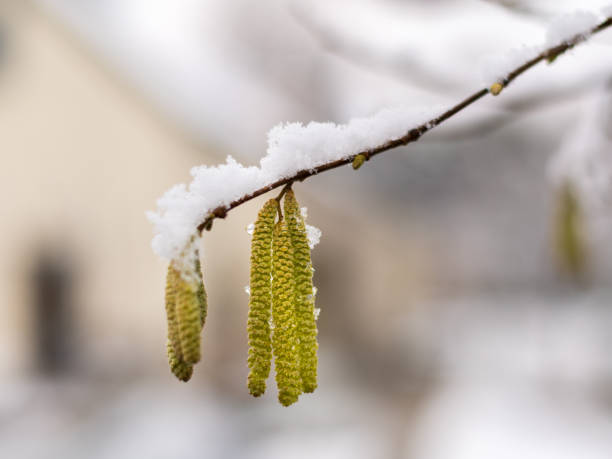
413 134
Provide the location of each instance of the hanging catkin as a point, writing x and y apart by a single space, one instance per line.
183 371
284 338
171 286
201 293
179 368
188 318
189 298
304 294
569 238
186 309
260 300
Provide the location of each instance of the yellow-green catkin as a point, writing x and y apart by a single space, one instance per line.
260 300
186 308
188 315
183 371
171 286
284 338
304 294
201 293
569 239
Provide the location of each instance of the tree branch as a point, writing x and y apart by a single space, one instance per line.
414 134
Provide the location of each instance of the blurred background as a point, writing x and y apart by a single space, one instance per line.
463 281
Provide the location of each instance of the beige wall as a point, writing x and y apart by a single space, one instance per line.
82 158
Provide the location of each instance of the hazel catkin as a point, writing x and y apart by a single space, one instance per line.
284 337
260 300
201 292
183 371
188 315
171 286
186 307
570 244
306 328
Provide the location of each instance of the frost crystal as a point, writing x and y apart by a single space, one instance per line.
291 147
317 311
247 289
250 229
314 236
304 212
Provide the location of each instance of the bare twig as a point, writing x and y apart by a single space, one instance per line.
412 135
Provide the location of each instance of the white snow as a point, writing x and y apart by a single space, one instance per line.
291 147
495 67
314 236
186 262
294 146
565 27
607 10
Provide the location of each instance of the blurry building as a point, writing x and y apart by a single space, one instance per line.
82 157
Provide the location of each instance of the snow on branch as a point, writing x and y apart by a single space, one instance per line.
296 152
564 29
568 26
